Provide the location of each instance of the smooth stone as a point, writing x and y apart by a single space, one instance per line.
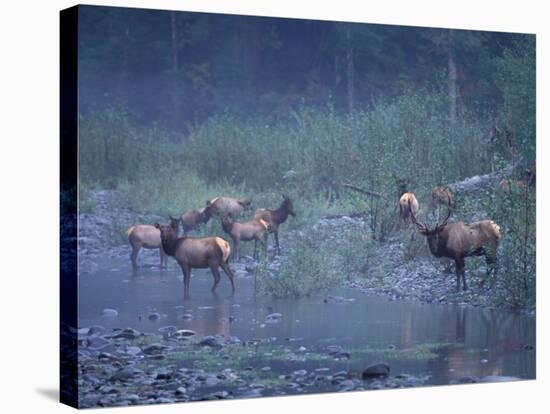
110 312
168 330
498 378
154 316
154 349
376 370
128 333
96 329
133 350
97 342
210 341
123 374
181 391
184 333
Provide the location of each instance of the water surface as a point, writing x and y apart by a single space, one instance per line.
444 342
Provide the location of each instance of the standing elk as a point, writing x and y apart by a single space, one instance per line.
221 205
408 205
275 218
247 231
508 185
442 196
191 219
144 236
459 240
198 253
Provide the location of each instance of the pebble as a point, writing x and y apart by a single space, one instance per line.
154 316
376 371
110 312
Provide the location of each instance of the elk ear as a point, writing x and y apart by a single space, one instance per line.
157 226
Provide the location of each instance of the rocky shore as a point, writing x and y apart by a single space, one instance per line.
125 367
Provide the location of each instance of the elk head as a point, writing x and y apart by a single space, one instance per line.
288 205
435 242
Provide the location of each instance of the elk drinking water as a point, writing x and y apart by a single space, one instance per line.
198 253
276 217
247 231
459 240
144 236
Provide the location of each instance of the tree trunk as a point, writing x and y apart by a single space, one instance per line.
175 67
452 78
350 70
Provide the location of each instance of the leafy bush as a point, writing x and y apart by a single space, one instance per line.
306 270
514 212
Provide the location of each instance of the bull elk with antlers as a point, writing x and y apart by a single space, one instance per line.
459 240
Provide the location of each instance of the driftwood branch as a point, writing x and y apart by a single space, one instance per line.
362 190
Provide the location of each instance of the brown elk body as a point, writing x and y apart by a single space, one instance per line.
459 240
407 204
191 219
442 196
247 231
508 185
144 236
275 218
221 205
196 253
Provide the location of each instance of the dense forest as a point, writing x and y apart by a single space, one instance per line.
178 107
177 69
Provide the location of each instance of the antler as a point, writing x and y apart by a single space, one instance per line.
420 225
444 223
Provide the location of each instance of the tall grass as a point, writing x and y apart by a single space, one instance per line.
307 157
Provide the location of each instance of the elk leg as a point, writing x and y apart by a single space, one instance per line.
229 274
492 267
459 269
255 248
133 257
266 235
216 274
464 286
186 269
237 248
162 258
263 243
276 236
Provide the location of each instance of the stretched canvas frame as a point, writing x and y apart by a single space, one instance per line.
350 367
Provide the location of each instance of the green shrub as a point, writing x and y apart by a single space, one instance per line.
306 270
514 212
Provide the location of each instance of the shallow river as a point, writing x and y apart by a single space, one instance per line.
445 343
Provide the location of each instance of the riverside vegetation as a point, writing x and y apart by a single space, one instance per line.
308 157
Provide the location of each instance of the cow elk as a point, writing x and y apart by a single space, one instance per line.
190 220
144 236
275 218
196 253
442 196
459 240
221 205
247 231
508 185
408 205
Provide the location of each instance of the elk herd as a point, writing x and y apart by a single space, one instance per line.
209 252
454 241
